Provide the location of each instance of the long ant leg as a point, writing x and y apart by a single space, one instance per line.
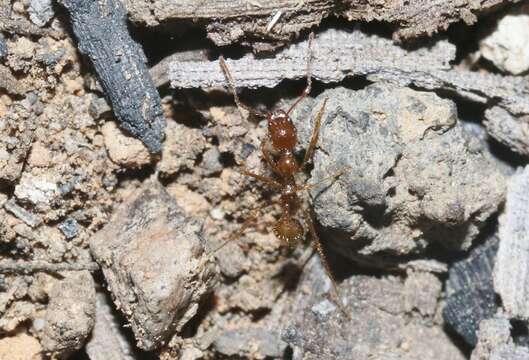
231 83
236 235
269 181
331 177
318 247
309 76
315 135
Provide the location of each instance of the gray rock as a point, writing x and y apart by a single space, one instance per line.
470 293
380 325
496 343
507 46
70 228
70 315
40 11
250 341
151 253
211 161
508 129
415 176
18 211
510 278
108 340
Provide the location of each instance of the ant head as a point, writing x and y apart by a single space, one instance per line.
289 231
282 131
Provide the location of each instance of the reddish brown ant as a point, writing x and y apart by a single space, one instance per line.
277 149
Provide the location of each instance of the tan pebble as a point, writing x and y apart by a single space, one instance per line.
73 86
122 149
40 156
20 347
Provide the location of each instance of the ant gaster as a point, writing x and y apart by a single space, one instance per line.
277 149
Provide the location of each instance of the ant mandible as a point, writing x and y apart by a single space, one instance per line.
277 149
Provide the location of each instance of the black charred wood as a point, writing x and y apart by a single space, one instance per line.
120 64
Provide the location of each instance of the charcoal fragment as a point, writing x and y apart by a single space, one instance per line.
471 296
120 64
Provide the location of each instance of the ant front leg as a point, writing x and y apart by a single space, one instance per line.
331 177
306 92
315 134
267 156
231 83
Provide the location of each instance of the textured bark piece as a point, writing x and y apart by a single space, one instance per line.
101 31
380 326
339 53
70 315
471 297
511 280
508 129
107 341
416 177
151 255
229 21
336 54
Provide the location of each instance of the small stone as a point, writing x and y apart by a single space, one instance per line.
40 11
70 315
217 213
211 161
507 46
20 347
181 147
122 149
421 292
22 214
98 107
39 191
39 156
152 257
243 342
70 228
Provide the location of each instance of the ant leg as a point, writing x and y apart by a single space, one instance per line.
332 177
246 224
309 75
315 134
268 158
231 83
269 181
316 243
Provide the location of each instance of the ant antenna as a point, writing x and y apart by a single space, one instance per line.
231 84
309 75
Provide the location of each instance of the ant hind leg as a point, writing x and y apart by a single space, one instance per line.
318 247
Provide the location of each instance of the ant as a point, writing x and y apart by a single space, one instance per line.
277 149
